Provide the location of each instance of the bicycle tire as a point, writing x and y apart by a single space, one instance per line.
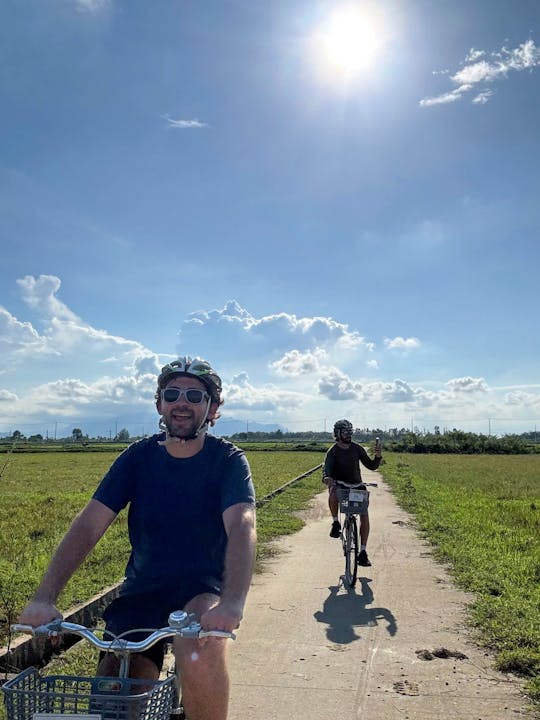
351 551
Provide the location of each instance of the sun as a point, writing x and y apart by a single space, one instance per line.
348 41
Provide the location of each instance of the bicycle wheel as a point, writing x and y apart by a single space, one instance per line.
351 551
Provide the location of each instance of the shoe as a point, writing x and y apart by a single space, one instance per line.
336 529
363 559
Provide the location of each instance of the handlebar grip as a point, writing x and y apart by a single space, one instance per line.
45 630
217 633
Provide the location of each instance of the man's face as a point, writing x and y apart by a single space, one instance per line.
181 417
345 436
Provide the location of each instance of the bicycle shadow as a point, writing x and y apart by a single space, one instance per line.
344 612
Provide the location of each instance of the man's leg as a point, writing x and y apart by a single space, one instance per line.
333 504
364 534
140 667
203 669
364 529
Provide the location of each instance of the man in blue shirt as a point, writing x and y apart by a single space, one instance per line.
192 531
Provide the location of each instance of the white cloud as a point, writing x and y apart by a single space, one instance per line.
483 97
267 337
92 6
184 124
59 369
467 385
40 294
473 55
400 343
523 399
335 385
475 72
295 362
18 339
240 394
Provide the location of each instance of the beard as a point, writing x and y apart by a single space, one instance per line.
186 430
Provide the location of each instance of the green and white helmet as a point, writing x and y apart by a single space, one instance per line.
197 368
340 426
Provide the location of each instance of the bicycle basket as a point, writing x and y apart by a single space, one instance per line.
353 500
30 694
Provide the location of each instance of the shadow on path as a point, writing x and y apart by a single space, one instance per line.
344 611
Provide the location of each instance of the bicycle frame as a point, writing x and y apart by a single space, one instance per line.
351 502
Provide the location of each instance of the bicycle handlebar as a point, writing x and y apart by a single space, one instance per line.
181 624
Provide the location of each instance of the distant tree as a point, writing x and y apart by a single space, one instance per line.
17 435
76 434
36 438
123 435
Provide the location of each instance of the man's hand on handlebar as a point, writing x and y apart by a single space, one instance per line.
39 613
226 615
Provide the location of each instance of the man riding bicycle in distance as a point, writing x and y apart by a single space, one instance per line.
191 527
342 468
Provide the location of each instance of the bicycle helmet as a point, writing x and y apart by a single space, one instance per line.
198 368
202 371
341 425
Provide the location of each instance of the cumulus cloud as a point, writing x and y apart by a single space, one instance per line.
18 339
479 72
467 385
401 343
55 369
518 398
40 294
298 363
240 394
266 337
272 367
336 385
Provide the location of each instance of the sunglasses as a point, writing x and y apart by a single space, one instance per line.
192 395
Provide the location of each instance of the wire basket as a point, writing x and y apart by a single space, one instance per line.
353 501
30 693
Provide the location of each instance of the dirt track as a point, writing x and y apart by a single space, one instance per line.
394 648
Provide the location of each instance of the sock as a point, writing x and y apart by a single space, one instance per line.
362 547
334 518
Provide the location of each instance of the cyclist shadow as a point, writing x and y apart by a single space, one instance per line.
344 612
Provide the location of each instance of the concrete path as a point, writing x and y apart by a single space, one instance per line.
308 649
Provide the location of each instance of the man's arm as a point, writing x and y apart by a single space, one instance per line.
84 533
371 464
328 468
239 521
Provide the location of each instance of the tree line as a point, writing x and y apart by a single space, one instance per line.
394 439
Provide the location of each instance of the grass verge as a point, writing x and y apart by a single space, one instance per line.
482 514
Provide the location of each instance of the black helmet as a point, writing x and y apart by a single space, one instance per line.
340 425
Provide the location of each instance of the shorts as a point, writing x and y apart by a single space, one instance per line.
152 610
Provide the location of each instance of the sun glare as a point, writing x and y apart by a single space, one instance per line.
348 42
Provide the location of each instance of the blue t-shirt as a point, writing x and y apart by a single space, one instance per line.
175 509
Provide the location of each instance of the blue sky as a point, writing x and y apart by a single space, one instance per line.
335 203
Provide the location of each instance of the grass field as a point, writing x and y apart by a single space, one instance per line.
482 513
41 493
